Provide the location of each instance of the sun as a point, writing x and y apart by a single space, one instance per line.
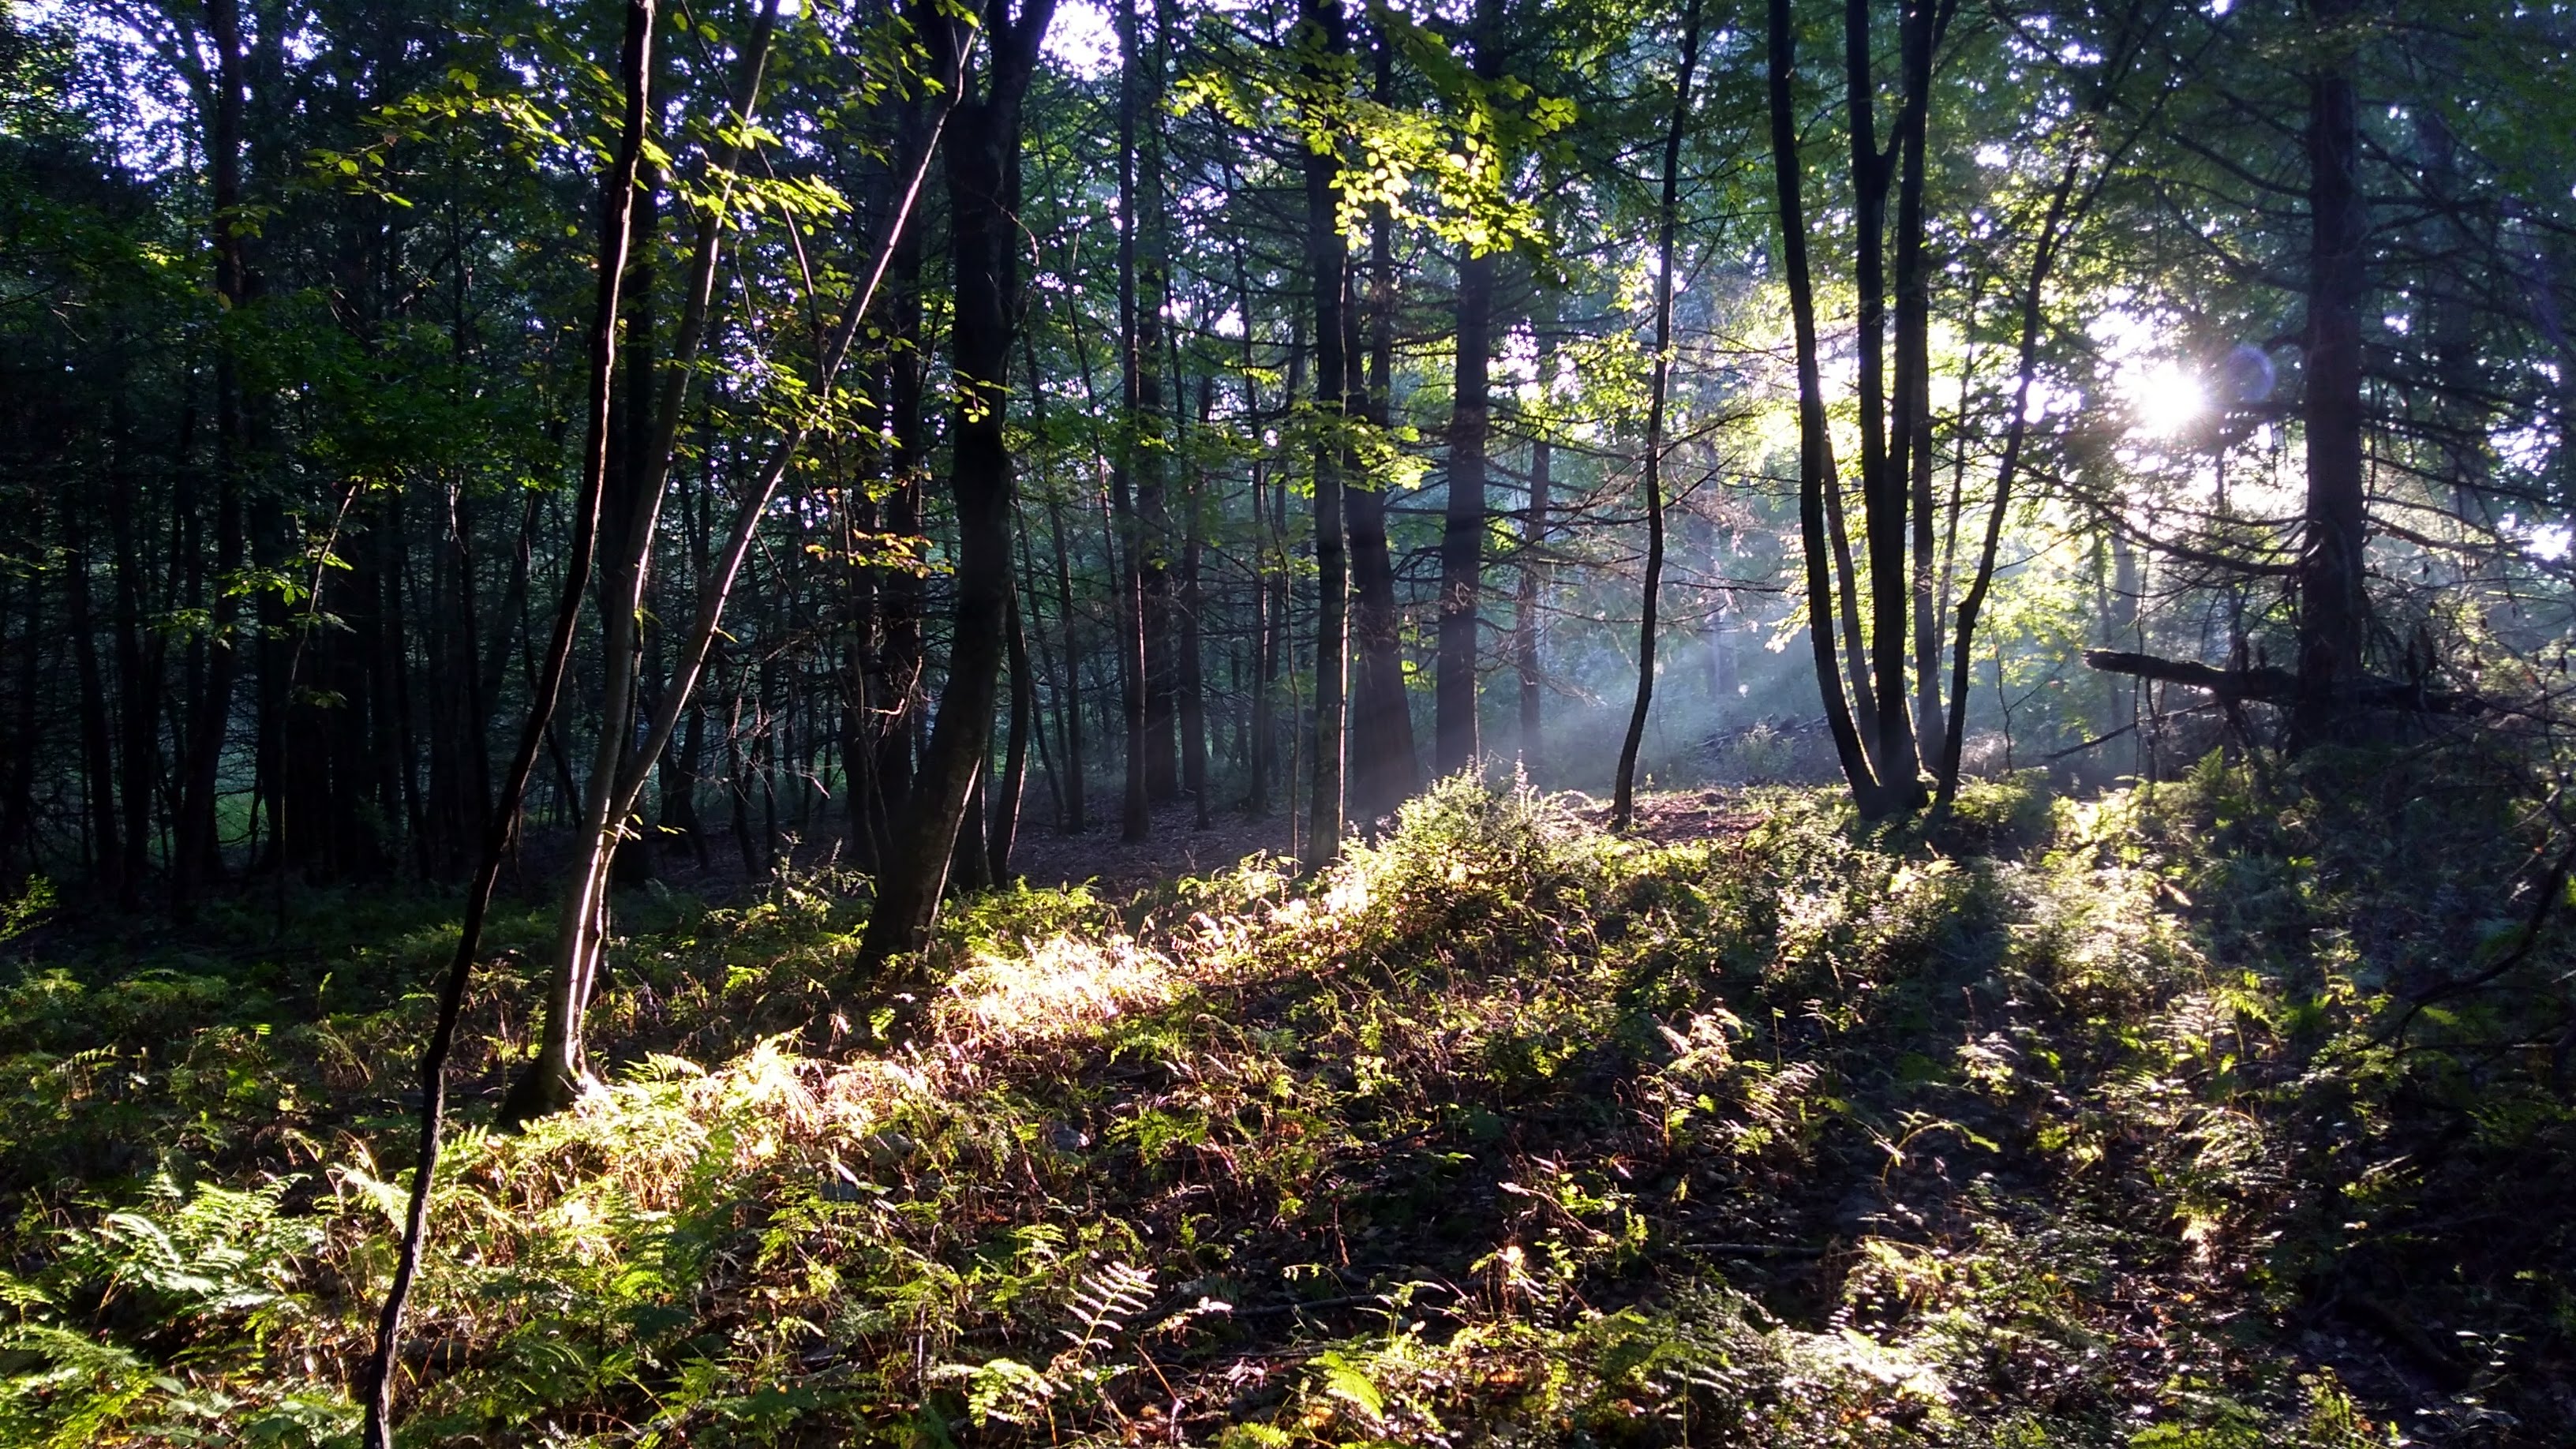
2164 399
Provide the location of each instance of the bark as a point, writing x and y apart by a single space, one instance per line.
1911 465
1190 670
1462 534
18 809
1142 289
655 407
196 855
1526 637
1328 274
1007 790
1815 444
983 189
858 518
1135 619
2051 230
2333 606
970 862
97 757
1883 481
1071 788
2274 684
617 189
904 696
138 674
1668 218
633 499
1382 765
1077 777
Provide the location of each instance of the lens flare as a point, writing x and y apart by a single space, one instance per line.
2164 400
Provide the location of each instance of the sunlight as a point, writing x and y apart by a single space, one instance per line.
2164 399
1063 987
1082 40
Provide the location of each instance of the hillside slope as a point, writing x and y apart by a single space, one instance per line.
2093 1122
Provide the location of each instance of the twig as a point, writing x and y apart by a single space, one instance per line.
2089 744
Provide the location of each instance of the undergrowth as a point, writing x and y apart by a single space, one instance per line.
2071 1123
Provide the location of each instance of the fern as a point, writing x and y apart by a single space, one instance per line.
1109 1298
1105 1299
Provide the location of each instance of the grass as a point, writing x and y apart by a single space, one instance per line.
2071 1123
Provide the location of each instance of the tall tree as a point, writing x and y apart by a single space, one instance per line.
1623 808
2333 602
616 209
983 172
1462 535
1323 44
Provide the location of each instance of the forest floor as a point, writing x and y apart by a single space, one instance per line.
2142 1121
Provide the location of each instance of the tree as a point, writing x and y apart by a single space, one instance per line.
983 176
1667 221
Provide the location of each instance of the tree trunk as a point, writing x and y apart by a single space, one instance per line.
2333 606
1462 534
1383 768
18 806
1912 464
1328 274
2051 229
1005 833
1815 443
97 758
1526 637
656 407
196 854
1190 667
1883 482
616 194
983 189
1077 775
1668 219
138 676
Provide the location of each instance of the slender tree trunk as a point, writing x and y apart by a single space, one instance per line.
1015 753
858 669
1077 776
1191 665
1912 464
1072 786
616 196
983 188
97 756
1462 534
1271 516
1623 809
2333 605
1953 742
138 676
1383 767
1526 638
1328 274
970 860
1815 443
905 695
1136 623
196 852
18 807
655 413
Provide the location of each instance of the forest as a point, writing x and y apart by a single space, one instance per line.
1288 723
